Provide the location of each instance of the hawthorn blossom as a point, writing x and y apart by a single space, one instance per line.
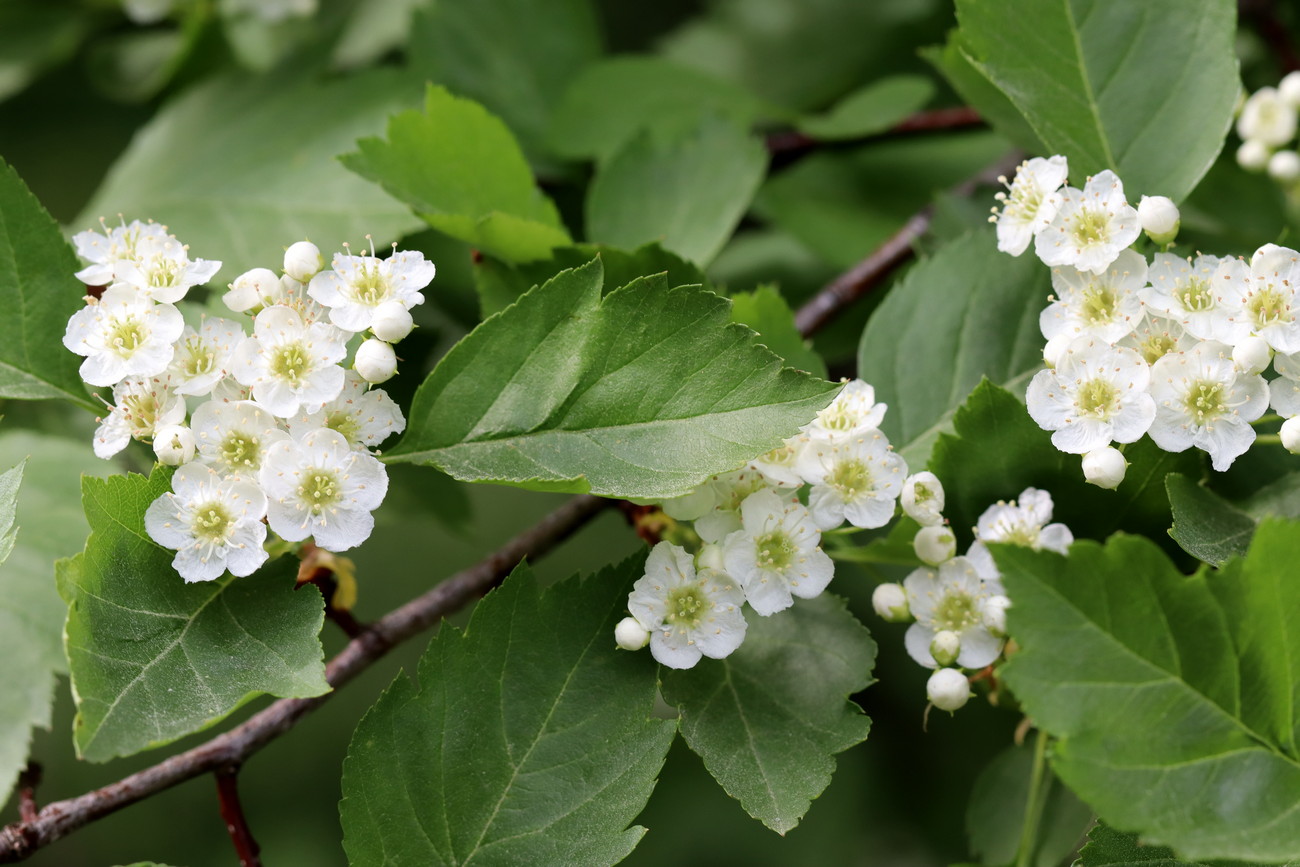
1155 337
687 614
213 523
364 416
856 480
117 245
141 407
1025 521
233 438
162 270
1090 227
1267 118
1105 306
1030 202
1260 300
1096 395
853 412
950 599
203 357
775 554
359 284
123 334
714 506
290 365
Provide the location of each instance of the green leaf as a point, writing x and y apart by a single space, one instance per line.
462 171
765 311
688 192
769 719
1146 89
153 658
642 394
39 290
528 740
50 525
1279 499
870 109
977 91
10 480
240 167
613 100
33 37
1107 847
1205 525
1173 697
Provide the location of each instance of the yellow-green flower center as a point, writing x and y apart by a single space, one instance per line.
776 551
290 362
851 478
1205 401
1098 399
240 452
163 272
141 410
956 611
320 490
1089 227
196 358
127 334
1196 296
212 522
687 606
1156 346
345 423
1099 304
1268 306
370 288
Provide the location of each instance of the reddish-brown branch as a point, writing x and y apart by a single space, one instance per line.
232 812
28 780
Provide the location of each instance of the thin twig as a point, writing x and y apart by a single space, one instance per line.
28 780
57 820
233 814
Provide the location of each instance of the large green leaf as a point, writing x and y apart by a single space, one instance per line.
1205 525
241 167
687 191
1146 89
528 741
40 293
1107 847
769 719
50 525
765 311
154 658
641 394
461 169
870 109
1174 698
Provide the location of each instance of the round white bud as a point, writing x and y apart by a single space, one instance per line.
1267 118
945 647
391 321
993 611
1252 355
1289 89
922 498
629 634
710 557
1159 218
303 261
890 602
1290 434
1252 155
174 444
1284 166
948 689
252 289
935 545
375 361
1055 348
1104 467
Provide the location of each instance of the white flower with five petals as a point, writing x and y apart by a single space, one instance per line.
1030 202
857 480
141 407
688 614
775 554
1090 227
365 416
950 599
1094 396
123 334
359 284
290 365
1105 305
212 523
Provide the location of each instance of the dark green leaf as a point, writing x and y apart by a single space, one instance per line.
154 658
769 719
871 109
528 740
1107 847
1205 525
35 35
641 394
1279 499
765 311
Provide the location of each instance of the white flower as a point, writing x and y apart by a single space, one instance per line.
1029 203
1104 468
365 416
214 524
1095 395
1284 166
933 545
1159 218
948 689
1290 433
162 270
1252 155
1025 522
1252 355
203 357
124 334
780 465
1105 306
289 365
1284 392
950 599
629 634
233 438
853 412
715 505
253 289
303 261
1155 337
1183 290
1267 118
1289 89
141 407
890 602
359 284
1091 226
391 322
375 360
775 553
994 612
856 480
320 486
922 498
1202 400
688 615
1261 300
116 245
174 444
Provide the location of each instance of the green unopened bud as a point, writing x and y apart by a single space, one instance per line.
1159 218
890 602
945 647
935 545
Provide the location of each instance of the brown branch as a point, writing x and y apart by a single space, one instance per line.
233 814
56 820
28 780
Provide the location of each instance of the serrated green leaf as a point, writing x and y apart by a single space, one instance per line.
38 287
1107 847
1146 89
977 91
686 191
1205 525
240 167
1173 697
870 109
153 658
462 171
528 740
765 311
769 719
640 394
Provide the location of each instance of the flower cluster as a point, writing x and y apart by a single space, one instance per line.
267 427
1171 347
957 605
760 542
1266 124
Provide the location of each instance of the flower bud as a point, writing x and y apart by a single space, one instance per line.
1267 118
1252 155
890 602
935 545
948 689
1289 89
303 261
173 444
252 289
629 634
922 498
1159 218
1290 434
1252 355
375 361
1104 467
1055 348
945 647
1284 166
993 611
710 557
391 321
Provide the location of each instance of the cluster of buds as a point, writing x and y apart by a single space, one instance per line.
1266 124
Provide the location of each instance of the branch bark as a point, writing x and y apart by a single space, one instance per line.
232 812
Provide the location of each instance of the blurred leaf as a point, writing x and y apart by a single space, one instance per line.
765 311
461 170
1205 525
1232 209
769 719
977 91
641 394
870 109
372 30
1173 698
37 286
613 100
1107 847
135 65
686 192
1146 89
1278 499
35 35
154 658
528 741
